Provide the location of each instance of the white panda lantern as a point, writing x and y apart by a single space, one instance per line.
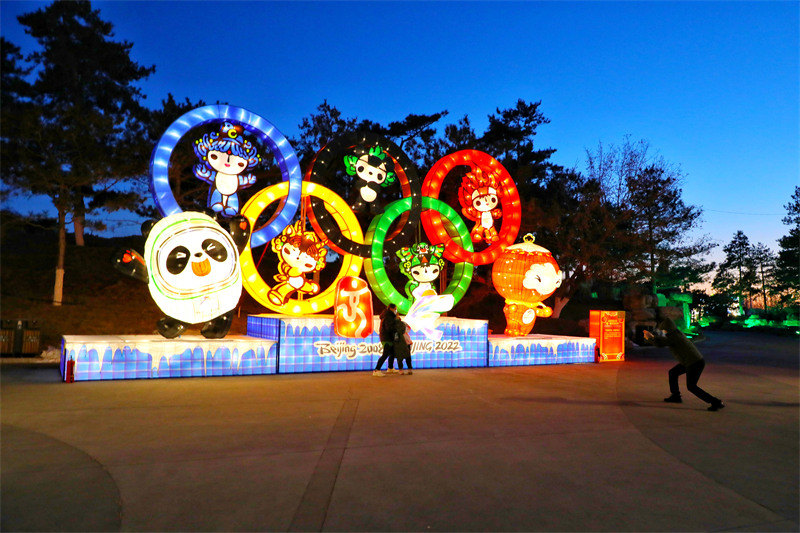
194 267
191 266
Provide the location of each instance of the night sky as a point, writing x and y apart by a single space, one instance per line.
713 86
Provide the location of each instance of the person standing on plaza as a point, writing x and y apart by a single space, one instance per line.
387 332
402 347
690 362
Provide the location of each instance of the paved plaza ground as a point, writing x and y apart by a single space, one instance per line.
587 447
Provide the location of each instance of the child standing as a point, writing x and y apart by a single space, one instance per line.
402 347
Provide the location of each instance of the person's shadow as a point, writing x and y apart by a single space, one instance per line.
631 403
556 399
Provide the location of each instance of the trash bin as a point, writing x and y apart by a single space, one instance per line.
31 339
6 340
19 337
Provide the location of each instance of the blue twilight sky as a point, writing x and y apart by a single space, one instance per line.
713 86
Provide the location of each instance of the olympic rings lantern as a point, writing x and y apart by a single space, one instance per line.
487 194
525 274
292 279
227 147
380 171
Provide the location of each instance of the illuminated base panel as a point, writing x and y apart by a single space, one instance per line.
309 344
278 344
540 350
150 356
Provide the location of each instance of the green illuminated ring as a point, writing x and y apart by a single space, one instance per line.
376 270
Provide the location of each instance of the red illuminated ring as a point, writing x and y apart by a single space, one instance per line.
509 200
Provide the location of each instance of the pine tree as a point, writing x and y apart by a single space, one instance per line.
83 134
319 128
736 274
14 107
647 190
510 138
572 217
189 192
787 265
764 266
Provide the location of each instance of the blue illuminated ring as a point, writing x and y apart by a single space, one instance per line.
284 154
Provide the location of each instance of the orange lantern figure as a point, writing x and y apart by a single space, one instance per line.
479 196
352 308
525 274
299 253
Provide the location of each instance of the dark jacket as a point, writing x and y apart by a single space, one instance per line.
388 327
401 348
681 347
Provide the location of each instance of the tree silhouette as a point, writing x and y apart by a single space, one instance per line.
319 128
415 135
647 190
509 138
189 192
736 274
14 107
787 266
764 265
510 135
571 216
82 135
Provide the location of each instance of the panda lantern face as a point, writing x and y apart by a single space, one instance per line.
369 173
180 256
194 267
194 260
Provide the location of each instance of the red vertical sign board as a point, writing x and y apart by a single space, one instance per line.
608 329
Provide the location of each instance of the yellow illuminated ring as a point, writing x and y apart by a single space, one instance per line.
351 264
